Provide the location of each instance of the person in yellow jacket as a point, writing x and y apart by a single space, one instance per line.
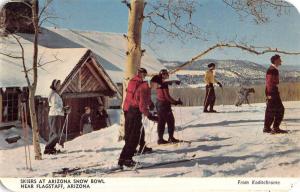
210 96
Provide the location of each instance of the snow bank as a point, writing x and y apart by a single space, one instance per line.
226 144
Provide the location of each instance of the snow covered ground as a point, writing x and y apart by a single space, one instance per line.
226 144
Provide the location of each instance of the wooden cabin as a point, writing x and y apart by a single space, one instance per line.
89 63
84 83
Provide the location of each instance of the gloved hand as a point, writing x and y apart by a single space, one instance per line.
220 85
151 106
179 102
67 109
152 117
177 82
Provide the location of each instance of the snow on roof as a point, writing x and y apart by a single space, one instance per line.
109 48
66 47
56 64
4 2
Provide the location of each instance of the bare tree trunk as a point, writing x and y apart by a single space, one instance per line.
134 53
135 23
32 88
34 125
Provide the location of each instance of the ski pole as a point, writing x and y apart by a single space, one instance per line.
109 121
141 129
26 125
222 96
66 138
182 136
62 130
142 151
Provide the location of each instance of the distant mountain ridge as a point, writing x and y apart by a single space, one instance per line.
229 72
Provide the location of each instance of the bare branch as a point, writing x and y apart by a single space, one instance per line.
43 64
22 57
48 2
251 49
127 4
258 8
26 3
45 19
173 18
10 55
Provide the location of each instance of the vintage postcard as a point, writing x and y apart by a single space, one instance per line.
144 95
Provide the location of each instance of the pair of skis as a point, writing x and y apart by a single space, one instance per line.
25 134
174 143
106 171
118 169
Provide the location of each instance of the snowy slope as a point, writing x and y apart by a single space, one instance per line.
230 143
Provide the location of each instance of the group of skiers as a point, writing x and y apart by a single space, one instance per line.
57 119
138 102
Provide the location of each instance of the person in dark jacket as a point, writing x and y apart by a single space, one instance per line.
100 118
163 106
210 96
137 104
275 109
86 121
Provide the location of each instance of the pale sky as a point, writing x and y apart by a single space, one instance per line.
213 16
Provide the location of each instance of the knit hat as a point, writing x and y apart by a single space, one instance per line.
142 70
211 65
156 79
163 71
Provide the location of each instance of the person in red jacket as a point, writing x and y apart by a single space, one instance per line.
163 106
136 104
135 82
275 109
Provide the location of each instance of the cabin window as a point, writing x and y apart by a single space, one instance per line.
10 101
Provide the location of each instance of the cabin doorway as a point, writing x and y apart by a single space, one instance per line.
77 109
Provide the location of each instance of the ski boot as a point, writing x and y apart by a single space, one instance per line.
173 140
267 130
278 131
127 163
145 150
162 141
51 151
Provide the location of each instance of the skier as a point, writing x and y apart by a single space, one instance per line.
136 103
134 84
86 121
275 109
56 117
242 96
210 96
163 106
100 118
